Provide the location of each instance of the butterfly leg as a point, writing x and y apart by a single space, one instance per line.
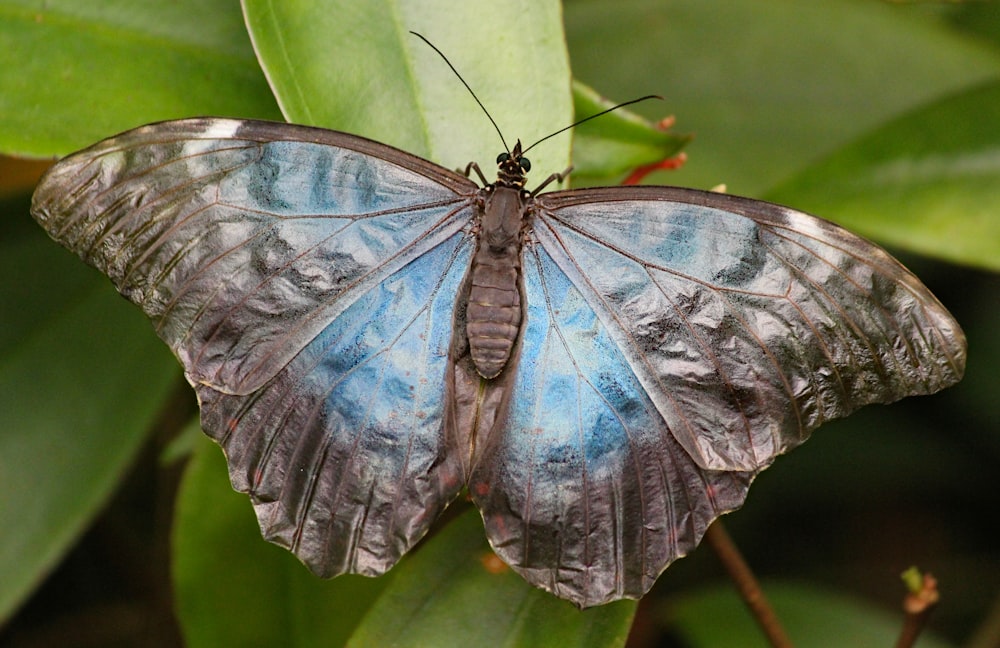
468 169
555 177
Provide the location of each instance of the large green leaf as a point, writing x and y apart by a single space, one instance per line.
766 87
82 378
452 593
76 71
618 142
928 182
234 589
363 72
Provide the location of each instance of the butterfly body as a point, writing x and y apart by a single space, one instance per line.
368 333
494 305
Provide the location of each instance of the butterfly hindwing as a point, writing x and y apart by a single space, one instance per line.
344 451
583 489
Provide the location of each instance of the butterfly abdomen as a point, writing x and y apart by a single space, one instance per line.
493 316
494 313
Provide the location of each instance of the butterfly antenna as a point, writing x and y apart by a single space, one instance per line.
595 116
488 115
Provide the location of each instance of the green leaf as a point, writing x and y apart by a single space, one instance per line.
235 589
76 71
927 182
448 595
364 73
49 280
767 87
82 378
618 142
813 618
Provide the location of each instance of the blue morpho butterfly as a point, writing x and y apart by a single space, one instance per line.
605 369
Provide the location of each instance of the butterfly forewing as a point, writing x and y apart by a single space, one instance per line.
747 324
243 239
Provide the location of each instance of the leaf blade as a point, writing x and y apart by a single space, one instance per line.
457 572
70 431
391 87
156 61
916 185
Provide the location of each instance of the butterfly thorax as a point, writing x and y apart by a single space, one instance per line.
493 316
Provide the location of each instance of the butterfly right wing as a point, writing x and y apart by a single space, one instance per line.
306 280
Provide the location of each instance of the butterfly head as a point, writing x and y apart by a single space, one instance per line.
512 167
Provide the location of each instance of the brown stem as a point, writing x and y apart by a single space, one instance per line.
746 583
918 604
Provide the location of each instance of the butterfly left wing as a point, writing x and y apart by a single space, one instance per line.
305 279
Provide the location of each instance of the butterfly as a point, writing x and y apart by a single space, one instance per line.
604 369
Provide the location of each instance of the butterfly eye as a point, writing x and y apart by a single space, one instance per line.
503 157
525 164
